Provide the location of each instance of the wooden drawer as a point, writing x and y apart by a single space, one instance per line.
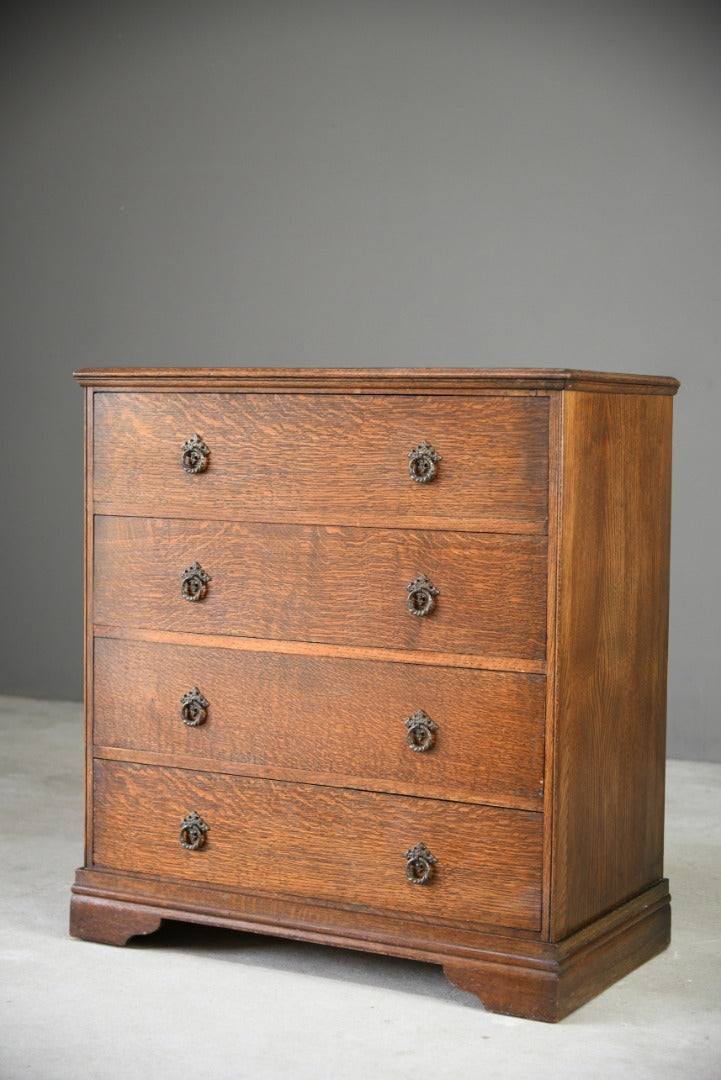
335 585
330 844
276 457
324 719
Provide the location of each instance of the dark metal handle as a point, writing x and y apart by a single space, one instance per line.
422 461
422 595
419 865
192 831
421 733
195 455
195 708
195 582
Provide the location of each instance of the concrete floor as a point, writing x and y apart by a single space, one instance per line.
197 1002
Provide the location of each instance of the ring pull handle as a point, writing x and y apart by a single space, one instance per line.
195 455
421 732
195 582
419 865
195 708
422 595
422 461
192 831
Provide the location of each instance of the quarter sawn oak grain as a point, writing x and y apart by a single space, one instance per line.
345 847
327 584
321 718
546 531
271 460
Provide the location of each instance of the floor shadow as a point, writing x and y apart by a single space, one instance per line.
301 957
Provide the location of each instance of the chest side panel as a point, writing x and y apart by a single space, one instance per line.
611 660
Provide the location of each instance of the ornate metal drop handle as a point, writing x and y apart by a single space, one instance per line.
192 831
195 708
422 595
195 455
422 461
195 582
421 733
419 865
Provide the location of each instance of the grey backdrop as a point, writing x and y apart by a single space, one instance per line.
305 183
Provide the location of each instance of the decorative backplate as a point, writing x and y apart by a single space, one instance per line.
195 582
421 733
192 831
422 595
422 462
195 455
419 865
194 709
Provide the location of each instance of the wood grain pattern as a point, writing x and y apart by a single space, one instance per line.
377 380
311 648
516 975
325 719
88 590
345 847
272 460
340 585
611 673
546 532
100 919
584 967
393 934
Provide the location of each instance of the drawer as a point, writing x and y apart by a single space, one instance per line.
325 719
322 843
325 584
328 459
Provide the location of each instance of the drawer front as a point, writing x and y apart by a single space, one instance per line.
345 847
325 459
325 719
323 584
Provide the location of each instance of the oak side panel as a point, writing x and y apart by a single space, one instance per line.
88 617
323 843
555 477
335 460
326 719
612 650
325 584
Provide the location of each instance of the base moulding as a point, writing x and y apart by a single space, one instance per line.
513 975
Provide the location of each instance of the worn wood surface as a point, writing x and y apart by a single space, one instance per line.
312 648
399 934
337 845
327 584
113 923
277 457
585 966
513 974
325 719
376 380
609 753
546 532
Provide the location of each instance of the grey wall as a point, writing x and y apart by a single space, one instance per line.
302 183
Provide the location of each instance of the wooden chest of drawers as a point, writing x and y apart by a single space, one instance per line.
378 659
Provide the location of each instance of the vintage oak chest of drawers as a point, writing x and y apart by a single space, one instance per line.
377 659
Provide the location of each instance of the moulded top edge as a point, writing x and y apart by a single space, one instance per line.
378 378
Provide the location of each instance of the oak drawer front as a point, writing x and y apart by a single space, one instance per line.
323 843
326 459
335 585
325 719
